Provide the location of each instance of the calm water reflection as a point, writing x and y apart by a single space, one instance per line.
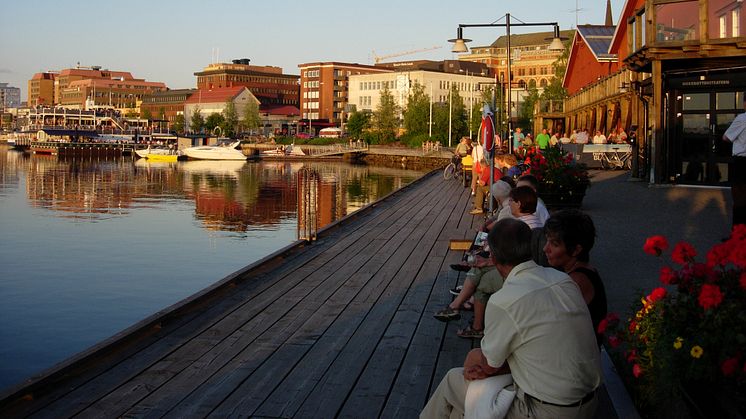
89 247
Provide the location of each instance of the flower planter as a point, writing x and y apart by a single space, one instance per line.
561 200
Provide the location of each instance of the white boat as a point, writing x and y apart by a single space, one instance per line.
215 152
284 151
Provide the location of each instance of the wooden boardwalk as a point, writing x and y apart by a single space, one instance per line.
339 328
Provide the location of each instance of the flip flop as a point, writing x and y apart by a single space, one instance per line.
447 314
469 333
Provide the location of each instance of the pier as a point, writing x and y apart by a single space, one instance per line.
343 327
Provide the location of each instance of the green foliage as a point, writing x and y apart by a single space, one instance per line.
178 124
161 113
214 120
230 119
459 114
357 123
417 113
146 114
414 140
385 118
251 120
197 122
526 112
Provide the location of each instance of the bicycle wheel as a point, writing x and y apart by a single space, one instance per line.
605 163
628 163
449 171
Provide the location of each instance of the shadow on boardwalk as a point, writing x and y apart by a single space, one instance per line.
342 327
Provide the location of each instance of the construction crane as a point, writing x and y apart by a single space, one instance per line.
378 58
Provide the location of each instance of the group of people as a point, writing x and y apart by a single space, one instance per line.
537 304
548 139
616 136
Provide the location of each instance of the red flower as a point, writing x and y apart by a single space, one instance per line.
718 255
601 329
614 341
636 370
657 294
668 276
683 253
729 366
739 232
655 245
710 296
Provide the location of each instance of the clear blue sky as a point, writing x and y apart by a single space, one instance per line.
167 40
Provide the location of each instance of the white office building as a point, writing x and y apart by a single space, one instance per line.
10 97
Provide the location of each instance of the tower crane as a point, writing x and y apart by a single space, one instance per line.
378 58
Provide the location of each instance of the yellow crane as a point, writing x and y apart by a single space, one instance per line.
378 58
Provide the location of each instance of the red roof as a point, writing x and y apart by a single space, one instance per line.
218 95
286 110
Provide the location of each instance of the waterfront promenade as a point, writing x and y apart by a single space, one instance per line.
343 327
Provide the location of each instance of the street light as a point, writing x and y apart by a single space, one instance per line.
459 45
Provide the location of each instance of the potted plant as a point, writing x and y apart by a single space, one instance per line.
562 180
683 350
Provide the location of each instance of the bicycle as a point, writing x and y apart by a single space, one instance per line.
454 169
616 161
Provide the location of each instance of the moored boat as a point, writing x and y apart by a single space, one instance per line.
215 152
157 154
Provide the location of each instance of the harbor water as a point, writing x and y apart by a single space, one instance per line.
88 247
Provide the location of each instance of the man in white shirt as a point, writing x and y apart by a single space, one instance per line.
539 330
736 134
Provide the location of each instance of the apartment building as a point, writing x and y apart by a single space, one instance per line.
166 105
266 83
41 89
10 97
324 88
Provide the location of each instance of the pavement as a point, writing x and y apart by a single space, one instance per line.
626 212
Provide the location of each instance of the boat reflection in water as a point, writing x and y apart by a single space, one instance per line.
91 246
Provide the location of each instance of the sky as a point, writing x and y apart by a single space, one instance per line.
168 41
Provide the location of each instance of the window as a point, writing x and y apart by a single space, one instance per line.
676 22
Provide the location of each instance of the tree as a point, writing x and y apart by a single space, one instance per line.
459 125
554 90
526 112
147 114
251 119
213 121
230 119
417 113
385 119
178 124
357 123
197 121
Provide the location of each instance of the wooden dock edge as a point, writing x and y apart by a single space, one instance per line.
108 349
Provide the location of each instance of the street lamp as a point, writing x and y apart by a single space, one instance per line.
459 45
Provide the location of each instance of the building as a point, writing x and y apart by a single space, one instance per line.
41 89
324 89
88 87
212 101
10 97
166 105
266 83
681 63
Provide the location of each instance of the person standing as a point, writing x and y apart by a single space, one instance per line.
736 134
542 140
518 138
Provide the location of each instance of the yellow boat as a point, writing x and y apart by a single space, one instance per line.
157 154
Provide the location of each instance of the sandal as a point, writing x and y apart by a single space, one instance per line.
467 306
456 290
447 314
470 333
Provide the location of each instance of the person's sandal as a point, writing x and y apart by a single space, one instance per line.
447 314
470 333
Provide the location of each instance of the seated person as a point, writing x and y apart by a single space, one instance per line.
550 353
523 206
599 138
570 235
533 183
462 149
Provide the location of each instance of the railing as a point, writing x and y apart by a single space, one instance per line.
550 106
607 87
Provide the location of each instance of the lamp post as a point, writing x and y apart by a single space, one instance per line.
459 45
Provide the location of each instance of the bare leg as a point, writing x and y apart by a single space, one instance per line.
466 292
479 309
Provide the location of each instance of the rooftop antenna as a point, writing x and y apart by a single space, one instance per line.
576 10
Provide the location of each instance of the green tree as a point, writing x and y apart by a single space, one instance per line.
197 122
251 120
417 113
440 122
357 123
458 114
162 113
230 119
385 118
213 121
146 114
526 111
178 124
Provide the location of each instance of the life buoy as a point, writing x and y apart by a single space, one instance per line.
487 133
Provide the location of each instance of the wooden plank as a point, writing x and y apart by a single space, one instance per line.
368 296
307 259
218 392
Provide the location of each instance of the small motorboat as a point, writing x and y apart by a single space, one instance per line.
157 154
215 152
284 151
